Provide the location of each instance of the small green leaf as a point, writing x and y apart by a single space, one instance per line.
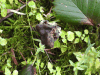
41 9
11 1
71 62
79 68
86 39
78 33
50 66
31 4
76 40
23 62
9 63
97 63
56 44
42 65
3 12
3 41
62 34
1 31
7 71
86 31
16 1
58 68
64 40
15 72
70 36
39 17
63 48
83 36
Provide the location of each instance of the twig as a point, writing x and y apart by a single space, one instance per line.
13 57
48 56
23 56
12 13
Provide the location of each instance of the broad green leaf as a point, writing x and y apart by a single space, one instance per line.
31 4
3 41
70 36
63 48
15 72
3 12
56 44
86 31
39 16
78 11
78 33
76 40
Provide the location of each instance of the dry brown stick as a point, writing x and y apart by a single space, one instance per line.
23 56
13 57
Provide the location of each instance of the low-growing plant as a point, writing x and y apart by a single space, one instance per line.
88 61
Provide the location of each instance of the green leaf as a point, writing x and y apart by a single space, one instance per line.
58 68
62 34
9 63
23 62
50 66
3 12
7 71
78 11
83 36
78 33
63 48
89 47
97 63
16 1
3 1
76 40
31 4
3 41
39 17
86 31
42 65
11 1
64 40
71 62
1 31
56 44
70 36
41 9
86 39
15 72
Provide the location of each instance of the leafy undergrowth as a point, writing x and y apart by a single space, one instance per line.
76 52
